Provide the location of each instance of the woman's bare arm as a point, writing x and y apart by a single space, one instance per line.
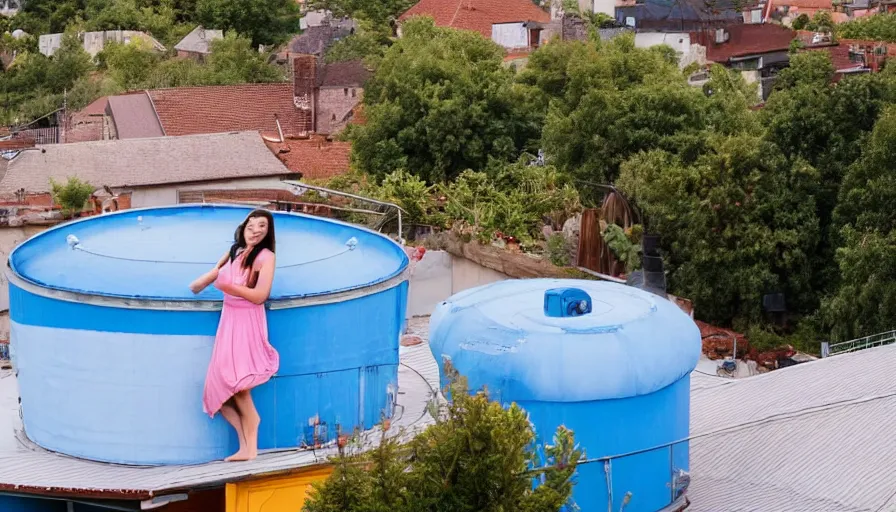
203 281
262 289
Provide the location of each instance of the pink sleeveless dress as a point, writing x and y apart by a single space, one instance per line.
243 358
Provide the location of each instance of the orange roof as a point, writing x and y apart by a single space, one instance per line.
226 108
316 158
477 15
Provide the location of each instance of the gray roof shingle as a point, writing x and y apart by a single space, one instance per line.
199 40
813 437
144 162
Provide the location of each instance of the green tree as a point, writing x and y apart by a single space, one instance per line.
822 21
811 119
71 195
234 61
864 301
617 100
129 65
880 27
515 200
48 16
382 12
69 63
737 223
477 457
263 21
369 43
440 102
800 22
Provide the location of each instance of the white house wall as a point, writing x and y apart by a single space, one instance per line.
511 35
145 197
607 7
679 41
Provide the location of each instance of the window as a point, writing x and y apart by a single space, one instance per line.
345 91
334 117
354 93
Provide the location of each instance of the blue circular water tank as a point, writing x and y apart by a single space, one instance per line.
608 361
111 347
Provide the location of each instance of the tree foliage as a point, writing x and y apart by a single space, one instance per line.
439 103
477 457
880 27
739 222
614 101
71 195
263 21
381 12
865 300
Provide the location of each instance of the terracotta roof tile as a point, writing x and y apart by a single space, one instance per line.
227 108
477 15
744 40
316 158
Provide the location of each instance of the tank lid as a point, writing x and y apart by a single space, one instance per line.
156 253
533 339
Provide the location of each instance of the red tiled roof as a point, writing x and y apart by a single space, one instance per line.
316 158
840 52
228 108
745 40
477 15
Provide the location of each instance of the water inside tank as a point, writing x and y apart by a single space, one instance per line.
156 253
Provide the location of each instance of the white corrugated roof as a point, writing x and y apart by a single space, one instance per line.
27 468
819 436
815 437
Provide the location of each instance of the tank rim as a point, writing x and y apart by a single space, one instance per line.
116 301
135 302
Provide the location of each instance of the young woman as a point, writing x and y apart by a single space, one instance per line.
243 358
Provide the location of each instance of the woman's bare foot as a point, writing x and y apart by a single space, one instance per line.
241 456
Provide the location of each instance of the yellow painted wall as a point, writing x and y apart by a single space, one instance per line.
276 494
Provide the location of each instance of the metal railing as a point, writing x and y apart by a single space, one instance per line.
378 217
384 216
875 340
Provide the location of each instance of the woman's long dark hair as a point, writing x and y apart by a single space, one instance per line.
268 242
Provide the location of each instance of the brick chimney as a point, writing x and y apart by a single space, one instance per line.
304 80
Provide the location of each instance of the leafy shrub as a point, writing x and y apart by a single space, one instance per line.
476 457
71 196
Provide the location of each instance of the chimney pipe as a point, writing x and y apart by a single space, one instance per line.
279 128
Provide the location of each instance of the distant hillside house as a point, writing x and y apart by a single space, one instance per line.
513 24
197 44
323 99
94 42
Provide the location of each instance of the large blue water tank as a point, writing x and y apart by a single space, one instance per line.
111 348
608 361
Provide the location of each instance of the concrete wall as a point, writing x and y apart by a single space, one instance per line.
167 195
440 275
607 7
679 41
333 105
510 35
